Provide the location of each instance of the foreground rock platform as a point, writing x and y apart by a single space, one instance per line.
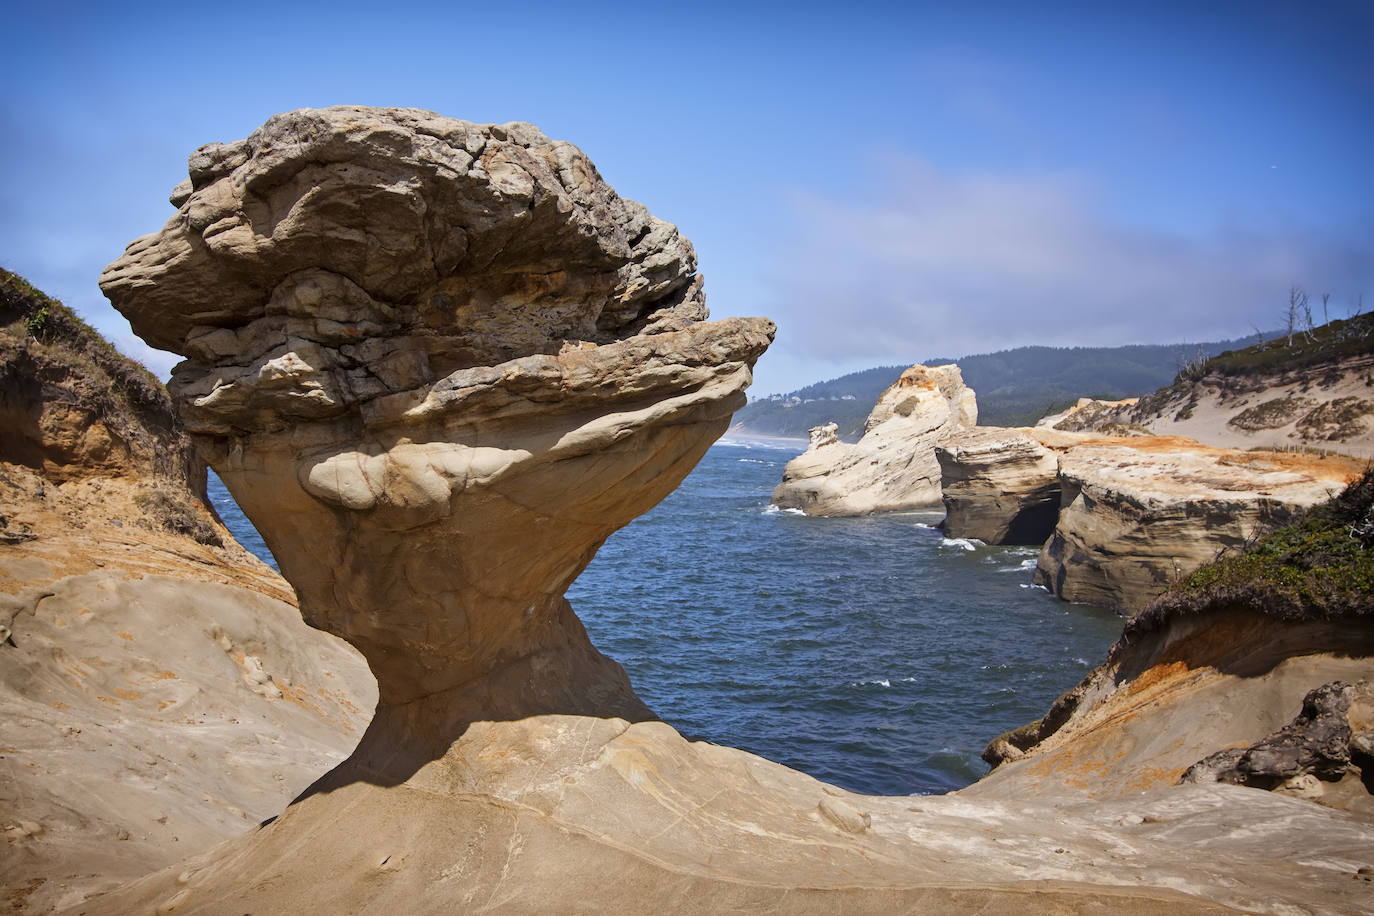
436 406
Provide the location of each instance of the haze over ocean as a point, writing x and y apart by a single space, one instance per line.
872 653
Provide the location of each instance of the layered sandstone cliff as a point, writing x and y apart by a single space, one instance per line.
435 444
893 466
1252 672
159 692
1000 486
1139 513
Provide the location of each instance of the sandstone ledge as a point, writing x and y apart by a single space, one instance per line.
1139 513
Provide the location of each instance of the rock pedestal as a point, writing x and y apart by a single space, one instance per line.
437 364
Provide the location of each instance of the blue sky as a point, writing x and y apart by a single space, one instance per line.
888 182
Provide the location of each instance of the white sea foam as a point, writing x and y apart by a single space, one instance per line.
962 543
751 461
880 682
1020 567
774 510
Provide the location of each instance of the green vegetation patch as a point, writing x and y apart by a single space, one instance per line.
1319 567
1336 421
1330 343
1272 413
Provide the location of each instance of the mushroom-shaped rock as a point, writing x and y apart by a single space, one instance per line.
437 364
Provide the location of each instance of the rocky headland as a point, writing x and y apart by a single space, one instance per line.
1139 513
159 692
1122 518
437 363
1312 390
893 465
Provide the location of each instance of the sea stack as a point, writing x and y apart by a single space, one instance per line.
893 466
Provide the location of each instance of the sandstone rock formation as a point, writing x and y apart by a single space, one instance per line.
1138 513
1181 693
1203 685
435 515
893 466
159 692
1000 486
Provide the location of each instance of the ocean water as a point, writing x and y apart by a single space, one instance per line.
872 653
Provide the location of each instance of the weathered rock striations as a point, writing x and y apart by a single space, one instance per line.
1000 486
1185 693
435 521
893 466
1138 513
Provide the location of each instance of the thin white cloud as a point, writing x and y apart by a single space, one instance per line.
925 263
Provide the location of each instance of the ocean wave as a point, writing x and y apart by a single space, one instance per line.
751 460
880 682
1029 585
962 543
771 509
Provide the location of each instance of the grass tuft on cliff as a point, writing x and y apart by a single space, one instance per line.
26 311
1319 567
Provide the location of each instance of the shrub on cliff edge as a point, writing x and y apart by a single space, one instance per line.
1321 566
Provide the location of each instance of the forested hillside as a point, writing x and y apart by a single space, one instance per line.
1014 387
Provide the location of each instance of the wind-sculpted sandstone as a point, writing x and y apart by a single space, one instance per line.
893 466
1139 513
437 364
1209 697
451 363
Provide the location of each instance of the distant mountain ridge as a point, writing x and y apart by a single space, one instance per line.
1014 387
